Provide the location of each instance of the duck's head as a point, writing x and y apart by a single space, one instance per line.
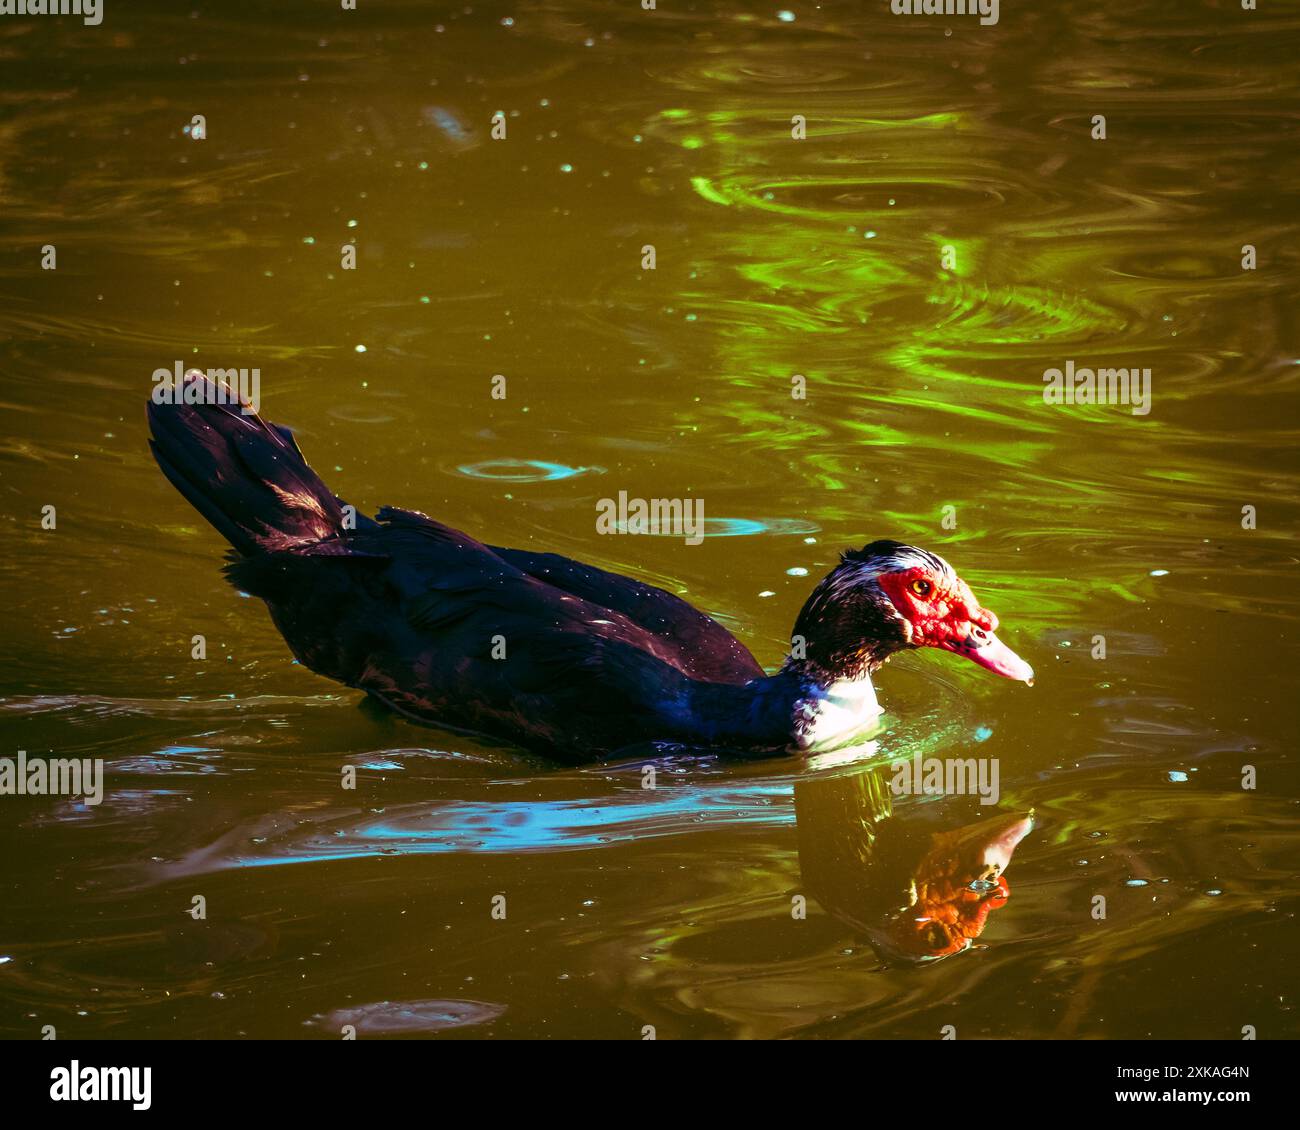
960 880
886 597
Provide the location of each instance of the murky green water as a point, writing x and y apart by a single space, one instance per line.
822 257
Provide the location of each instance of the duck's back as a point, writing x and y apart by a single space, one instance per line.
535 648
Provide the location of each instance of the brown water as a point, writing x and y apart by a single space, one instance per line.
775 257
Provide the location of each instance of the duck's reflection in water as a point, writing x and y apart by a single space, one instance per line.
918 880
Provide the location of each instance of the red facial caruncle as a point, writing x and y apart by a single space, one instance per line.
941 611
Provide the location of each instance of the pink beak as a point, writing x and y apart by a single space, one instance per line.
988 651
999 848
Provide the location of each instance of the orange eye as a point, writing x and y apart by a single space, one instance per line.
922 587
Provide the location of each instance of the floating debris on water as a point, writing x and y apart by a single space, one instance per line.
384 1018
447 123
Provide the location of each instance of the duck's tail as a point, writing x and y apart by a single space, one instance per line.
245 476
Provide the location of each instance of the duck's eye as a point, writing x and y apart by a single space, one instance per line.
922 587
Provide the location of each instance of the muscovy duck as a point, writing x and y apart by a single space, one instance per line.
534 648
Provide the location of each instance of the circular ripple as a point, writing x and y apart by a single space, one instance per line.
524 471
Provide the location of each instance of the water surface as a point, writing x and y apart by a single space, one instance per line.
775 257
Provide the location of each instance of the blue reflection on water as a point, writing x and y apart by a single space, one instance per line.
529 826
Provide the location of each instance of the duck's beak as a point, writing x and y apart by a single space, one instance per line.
999 837
984 648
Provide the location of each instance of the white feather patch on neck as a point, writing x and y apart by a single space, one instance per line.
835 715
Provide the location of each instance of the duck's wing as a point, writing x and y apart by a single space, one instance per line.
706 650
413 612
